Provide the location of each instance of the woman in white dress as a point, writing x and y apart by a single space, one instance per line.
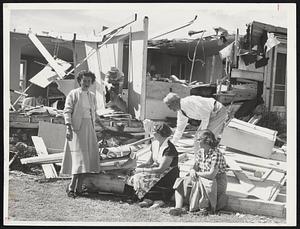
81 154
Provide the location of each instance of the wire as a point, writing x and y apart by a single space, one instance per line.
197 60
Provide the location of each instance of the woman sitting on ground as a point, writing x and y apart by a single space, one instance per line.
159 173
204 188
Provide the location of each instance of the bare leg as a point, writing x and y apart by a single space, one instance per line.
178 200
79 182
73 182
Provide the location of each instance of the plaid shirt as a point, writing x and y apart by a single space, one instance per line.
213 158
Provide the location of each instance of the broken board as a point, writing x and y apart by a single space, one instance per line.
256 207
244 74
54 135
49 170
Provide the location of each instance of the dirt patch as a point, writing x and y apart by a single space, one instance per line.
32 198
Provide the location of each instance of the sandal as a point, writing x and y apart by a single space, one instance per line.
157 204
146 203
177 211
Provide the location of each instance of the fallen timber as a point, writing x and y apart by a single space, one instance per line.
57 157
268 200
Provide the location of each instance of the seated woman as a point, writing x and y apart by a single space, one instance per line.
204 188
159 173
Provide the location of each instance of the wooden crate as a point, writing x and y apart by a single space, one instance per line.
249 138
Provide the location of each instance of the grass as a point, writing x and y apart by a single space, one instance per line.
30 199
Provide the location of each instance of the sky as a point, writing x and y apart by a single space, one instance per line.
88 17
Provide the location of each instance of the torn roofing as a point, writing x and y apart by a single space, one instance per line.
210 45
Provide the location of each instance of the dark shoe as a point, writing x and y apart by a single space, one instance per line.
177 211
82 193
70 193
204 211
146 203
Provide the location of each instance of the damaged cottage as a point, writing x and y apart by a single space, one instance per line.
134 72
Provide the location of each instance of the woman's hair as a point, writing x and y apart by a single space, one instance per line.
208 136
83 73
163 129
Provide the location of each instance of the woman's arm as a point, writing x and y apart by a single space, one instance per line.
147 163
69 107
165 163
209 175
68 110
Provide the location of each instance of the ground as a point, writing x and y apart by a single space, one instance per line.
32 198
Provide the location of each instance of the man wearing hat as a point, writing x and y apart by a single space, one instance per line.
115 79
212 113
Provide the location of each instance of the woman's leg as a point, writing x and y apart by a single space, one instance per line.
79 182
178 199
222 198
72 184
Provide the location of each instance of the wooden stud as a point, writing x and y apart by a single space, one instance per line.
49 170
256 207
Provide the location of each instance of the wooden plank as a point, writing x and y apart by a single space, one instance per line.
278 155
244 74
256 161
58 69
265 190
276 192
241 176
49 170
54 135
24 125
266 174
256 207
244 180
232 164
281 198
234 187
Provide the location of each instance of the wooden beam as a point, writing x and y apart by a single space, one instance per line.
244 74
256 207
49 170
266 174
278 187
262 162
52 62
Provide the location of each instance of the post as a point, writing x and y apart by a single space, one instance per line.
74 57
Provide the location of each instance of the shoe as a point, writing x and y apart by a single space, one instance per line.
70 193
204 211
177 211
82 193
157 204
146 203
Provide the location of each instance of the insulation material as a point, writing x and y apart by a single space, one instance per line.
94 66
